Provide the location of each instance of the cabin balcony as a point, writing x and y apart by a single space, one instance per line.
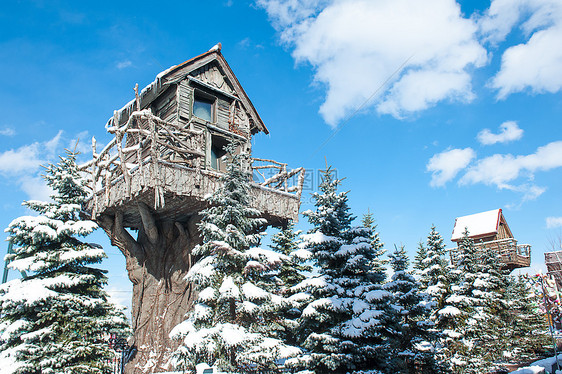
163 165
512 255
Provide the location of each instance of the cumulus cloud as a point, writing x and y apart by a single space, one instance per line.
7 131
500 170
509 131
356 45
23 164
536 64
446 165
28 158
504 171
553 222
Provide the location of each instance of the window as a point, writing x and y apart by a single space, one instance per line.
203 108
217 151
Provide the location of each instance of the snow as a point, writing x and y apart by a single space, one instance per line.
228 289
537 367
318 237
253 292
450 311
529 370
477 224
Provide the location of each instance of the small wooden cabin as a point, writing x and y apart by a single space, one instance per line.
168 151
490 231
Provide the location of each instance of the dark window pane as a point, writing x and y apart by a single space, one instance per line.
202 109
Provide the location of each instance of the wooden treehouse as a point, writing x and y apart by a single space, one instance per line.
489 231
166 155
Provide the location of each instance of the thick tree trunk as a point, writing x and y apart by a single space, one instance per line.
157 262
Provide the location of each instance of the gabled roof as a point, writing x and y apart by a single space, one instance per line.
479 225
179 72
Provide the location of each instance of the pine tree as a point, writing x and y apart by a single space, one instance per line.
235 316
419 264
485 327
433 278
336 327
451 319
410 333
527 335
56 320
290 273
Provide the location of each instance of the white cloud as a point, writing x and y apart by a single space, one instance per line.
553 222
509 131
356 45
446 165
535 64
23 165
8 131
27 159
35 187
123 64
502 170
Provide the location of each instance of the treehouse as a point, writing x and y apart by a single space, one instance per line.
489 231
168 147
166 155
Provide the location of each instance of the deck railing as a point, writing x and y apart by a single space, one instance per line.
512 254
146 140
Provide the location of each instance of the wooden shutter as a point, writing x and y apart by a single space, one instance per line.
185 100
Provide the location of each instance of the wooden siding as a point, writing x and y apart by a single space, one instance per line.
165 106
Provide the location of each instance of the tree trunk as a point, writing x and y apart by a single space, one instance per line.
157 262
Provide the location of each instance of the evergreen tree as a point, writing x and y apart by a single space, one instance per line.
433 278
486 330
527 332
419 264
410 333
451 319
336 327
56 320
235 316
291 271
289 274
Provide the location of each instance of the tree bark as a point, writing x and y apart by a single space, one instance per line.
157 262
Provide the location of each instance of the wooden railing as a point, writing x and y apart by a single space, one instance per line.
511 254
273 174
143 140
146 140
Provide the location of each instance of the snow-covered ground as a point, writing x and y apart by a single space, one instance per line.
541 366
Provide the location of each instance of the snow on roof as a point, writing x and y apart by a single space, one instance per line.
478 224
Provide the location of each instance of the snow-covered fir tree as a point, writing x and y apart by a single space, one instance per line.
451 319
409 330
57 319
528 333
433 278
486 330
339 322
418 263
289 274
235 315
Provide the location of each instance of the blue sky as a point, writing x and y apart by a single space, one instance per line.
430 110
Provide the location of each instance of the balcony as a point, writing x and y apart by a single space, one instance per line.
512 255
162 164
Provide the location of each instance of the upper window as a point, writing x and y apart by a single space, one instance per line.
203 108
